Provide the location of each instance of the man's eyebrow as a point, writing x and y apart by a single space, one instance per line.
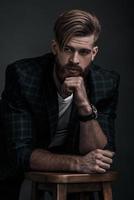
80 49
69 47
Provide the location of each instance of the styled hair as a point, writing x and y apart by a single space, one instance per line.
76 23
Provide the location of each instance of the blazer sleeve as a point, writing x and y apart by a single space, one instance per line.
107 111
17 120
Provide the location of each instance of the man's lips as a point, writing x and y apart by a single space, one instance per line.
74 72
68 72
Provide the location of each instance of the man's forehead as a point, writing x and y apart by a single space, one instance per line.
81 42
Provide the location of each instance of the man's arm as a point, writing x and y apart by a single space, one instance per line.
93 135
20 144
97 161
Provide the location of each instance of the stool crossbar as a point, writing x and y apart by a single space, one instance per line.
60 184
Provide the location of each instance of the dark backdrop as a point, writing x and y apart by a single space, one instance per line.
26 31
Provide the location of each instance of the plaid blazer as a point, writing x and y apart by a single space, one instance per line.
29 107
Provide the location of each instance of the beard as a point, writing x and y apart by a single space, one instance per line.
70 70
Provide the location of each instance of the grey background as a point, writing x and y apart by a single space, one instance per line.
26 31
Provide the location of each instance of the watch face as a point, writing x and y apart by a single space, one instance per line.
94 111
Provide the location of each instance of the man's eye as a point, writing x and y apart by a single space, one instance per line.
67 50
84 52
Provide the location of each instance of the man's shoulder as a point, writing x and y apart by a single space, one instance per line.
103 83
31 65
100 73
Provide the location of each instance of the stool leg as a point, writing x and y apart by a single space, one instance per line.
61 192
107 191
34 192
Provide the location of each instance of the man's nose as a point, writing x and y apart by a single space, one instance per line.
75 58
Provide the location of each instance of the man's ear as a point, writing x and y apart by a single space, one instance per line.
54 47
94 52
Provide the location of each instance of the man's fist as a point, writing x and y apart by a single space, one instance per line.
96 161
76 86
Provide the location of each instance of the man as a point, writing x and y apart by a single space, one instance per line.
58 110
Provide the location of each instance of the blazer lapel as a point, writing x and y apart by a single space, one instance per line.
51 100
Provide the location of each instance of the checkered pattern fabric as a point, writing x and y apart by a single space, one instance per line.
29 107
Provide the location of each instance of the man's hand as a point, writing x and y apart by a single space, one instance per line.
96 161
76 85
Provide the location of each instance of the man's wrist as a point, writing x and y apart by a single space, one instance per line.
84 109
76 163
93 114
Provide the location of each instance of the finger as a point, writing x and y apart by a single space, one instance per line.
74 78
103 158
109 154
102 164
74 81
107 160
66 90
106 153
69 85
99 169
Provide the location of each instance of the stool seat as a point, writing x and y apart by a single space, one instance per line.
62 183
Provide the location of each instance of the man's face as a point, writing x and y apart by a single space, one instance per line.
75 57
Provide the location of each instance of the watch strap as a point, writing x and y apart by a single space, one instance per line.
89 117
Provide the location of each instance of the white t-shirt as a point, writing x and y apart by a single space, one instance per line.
64 103
63 118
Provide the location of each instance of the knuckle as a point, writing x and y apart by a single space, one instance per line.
80 79
99 156
97 151
96 167
97 162
78 84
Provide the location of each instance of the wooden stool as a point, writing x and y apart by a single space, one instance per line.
62 183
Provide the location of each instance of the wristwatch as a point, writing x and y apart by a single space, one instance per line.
91 116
